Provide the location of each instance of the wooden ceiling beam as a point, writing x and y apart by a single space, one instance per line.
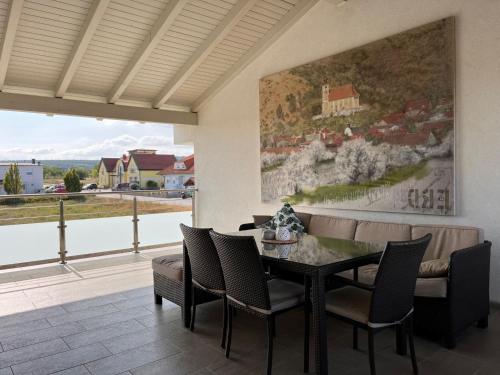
164 22
96 12
221 31
293 15
13 17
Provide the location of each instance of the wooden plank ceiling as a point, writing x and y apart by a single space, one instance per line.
156 54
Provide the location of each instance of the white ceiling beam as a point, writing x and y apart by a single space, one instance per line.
15 10
44 104
88 29
164 22
216 36
293 15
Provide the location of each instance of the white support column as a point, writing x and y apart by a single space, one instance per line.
15 10
164 22
215 37
94 16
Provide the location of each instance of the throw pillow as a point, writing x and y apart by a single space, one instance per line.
433 268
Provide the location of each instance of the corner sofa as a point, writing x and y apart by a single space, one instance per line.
452 290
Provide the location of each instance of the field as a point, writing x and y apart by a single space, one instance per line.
91 207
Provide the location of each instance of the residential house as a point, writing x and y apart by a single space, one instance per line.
109 174
31 175
144 165
341 100
177 175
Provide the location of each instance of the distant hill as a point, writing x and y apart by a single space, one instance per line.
63 164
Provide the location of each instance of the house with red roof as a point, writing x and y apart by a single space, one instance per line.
107 172
144 165
340 100
180 174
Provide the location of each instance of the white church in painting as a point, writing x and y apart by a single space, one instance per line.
339 101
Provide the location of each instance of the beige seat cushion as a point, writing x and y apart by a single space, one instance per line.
284 294
435 287
170 266
445 239
434 268
350 302
331 226
373 231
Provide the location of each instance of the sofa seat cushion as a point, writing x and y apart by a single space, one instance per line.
349 302
435 287
170 266
445 239
373 231
331 226
434 268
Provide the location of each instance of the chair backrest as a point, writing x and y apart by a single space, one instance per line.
243 270
392 297
205 264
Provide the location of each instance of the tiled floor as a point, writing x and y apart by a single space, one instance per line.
93 319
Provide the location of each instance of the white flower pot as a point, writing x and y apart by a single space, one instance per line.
283 234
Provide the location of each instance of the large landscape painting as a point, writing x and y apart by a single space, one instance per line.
369 129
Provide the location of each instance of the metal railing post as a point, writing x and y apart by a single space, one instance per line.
62 233
135 221
193 209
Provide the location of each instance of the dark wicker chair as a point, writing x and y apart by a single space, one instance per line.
206 271
248 288
387 303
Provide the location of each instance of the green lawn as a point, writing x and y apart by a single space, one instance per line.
351 192
91 207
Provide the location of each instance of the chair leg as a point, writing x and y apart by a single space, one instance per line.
400 339
229 329
224 319
483 323
355 338
371 351
270 339
412 345
274 325
306 336
193 313
158 299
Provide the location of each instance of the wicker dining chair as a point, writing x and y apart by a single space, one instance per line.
206 271
249 288
386 303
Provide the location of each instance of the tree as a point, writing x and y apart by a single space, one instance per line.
72 181
82 173
12 183
94 173
152 184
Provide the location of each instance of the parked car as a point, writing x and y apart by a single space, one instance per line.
135 186
89 187
49 189
61 188
122 187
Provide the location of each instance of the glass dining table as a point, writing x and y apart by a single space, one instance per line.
316 258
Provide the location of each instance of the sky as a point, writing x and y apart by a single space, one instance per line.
24 136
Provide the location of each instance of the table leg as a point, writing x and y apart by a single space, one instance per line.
319 324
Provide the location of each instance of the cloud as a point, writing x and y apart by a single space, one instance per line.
86 149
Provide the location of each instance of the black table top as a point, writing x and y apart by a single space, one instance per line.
315 251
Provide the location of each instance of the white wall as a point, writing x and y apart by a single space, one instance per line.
31 175
227 139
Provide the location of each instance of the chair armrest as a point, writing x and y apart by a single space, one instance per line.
469 282
357 284
246 226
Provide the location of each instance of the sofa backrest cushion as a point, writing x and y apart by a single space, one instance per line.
373 231
305 218
331 226
445 239
261 219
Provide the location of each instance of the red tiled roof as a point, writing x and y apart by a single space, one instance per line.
189 182
153 162
342 92
188 162
394 118
408 139
109 163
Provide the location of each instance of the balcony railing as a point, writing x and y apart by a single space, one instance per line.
43 228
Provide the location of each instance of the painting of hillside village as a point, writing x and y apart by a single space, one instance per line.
368 129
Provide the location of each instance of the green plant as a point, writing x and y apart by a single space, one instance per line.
152 184
12 183
72 181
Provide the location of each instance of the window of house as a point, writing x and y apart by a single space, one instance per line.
29 173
